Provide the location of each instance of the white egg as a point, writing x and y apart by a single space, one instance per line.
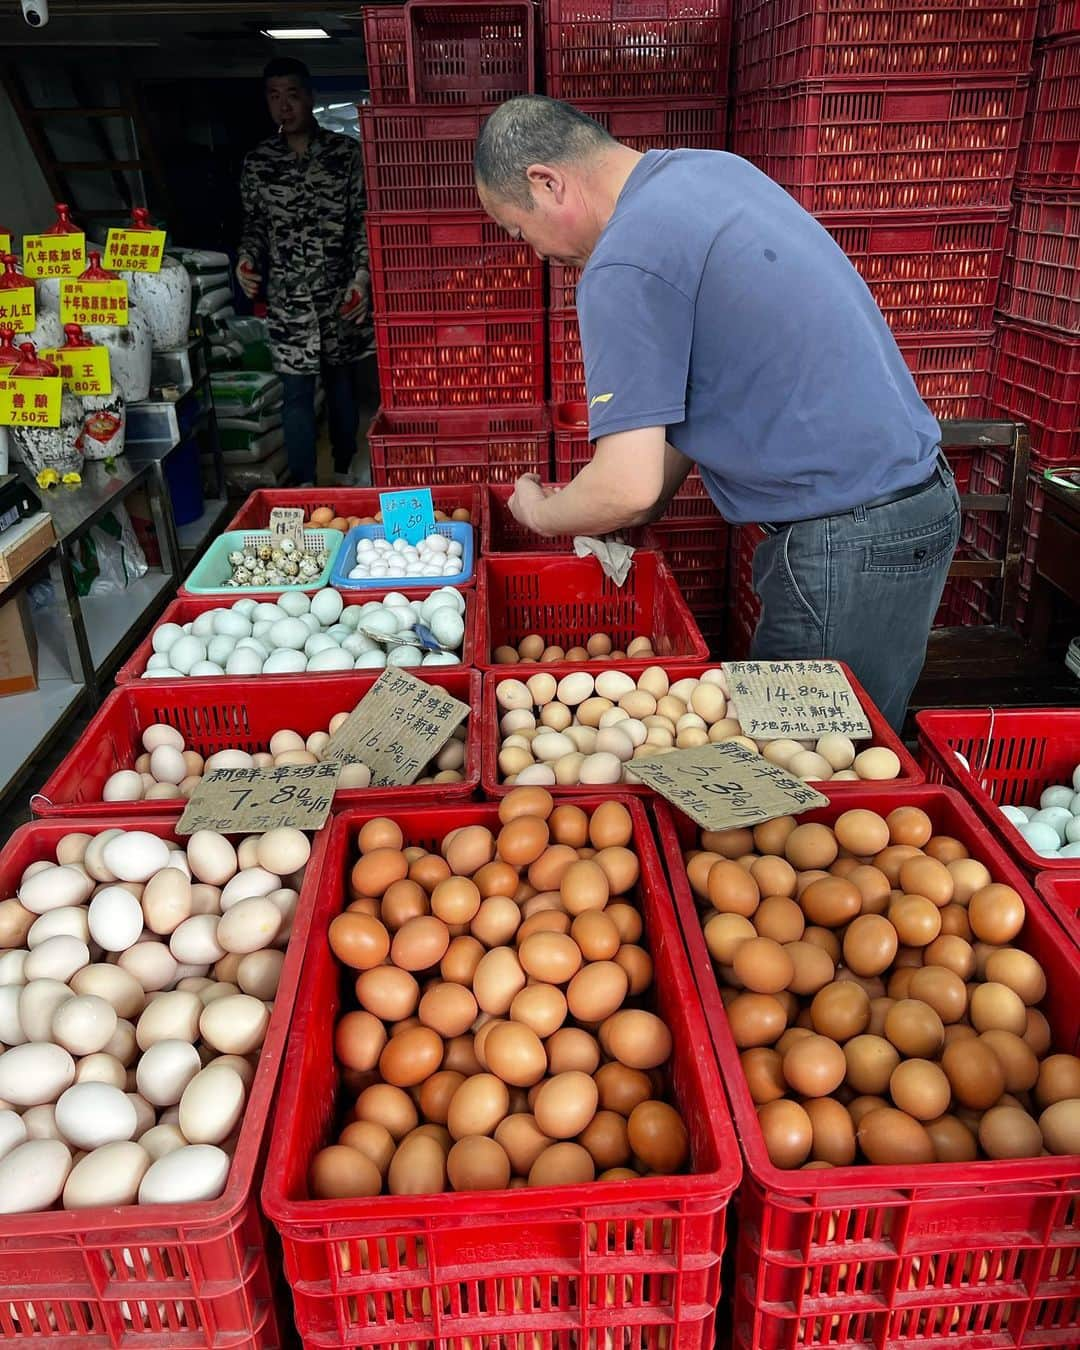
319 642
13 964
284 661
1072 830
244 662
252 644
327 606
218 650
1057 817
123 786
202 626
165 635
290 633
157 661
332 659
206 668
185 652
32 1175
266 610
84 1025
440 659
107 1176
338 632
261 628
11 1032
116 918
194 942
91 1114
164 673
38 1001
135 855
1040 836
1069 851
227 623
356 644
1076 779
373 660
448 628
12 1132
225 759
294 603
70 921
167 765
35 1073
245 607
212 1105
165 1070
437 600
405 655
381 621
1056 796
55 888
57 958
195 1172
310 622
350 617
1014 815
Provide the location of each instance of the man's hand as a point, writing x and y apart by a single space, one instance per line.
355 307
528 492
249 279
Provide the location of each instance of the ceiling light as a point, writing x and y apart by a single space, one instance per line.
296 34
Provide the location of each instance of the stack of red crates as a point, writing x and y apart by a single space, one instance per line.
655 74
898 127
458 305
1036 364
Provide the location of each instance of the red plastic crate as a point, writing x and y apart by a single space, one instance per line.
426 263
1040 278
1036 379
780 42
187 1276
1034 503
503 534
662 124
184 609
930 275
713 625
969 1255
636 49
510 1265
1014 754
461 53
562 286
881 733
696 550
464 361
1058 18
569 599
951 373
937 145
1061 891
255 512
420 159
214 716
450 446
564 354
384 53
1051 154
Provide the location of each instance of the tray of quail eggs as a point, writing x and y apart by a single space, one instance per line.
260 561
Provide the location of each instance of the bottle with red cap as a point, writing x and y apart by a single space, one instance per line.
48 288
104 415
45 448
164 297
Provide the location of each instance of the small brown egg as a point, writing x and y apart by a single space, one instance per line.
942 989
606 1139
639 1039
945 849
873 886
476 1163
532 647
626 919
459 961
596 935
1037 1034
812 967
403 900
732 890
477 1106
968 877
497 978
900 982
879 1010
926 876
832 1130
843 867
890 1137
953 1141
810 846
859 1107
771 835
787 1132
1060 1126
522 841
620 1088
1019 971
378 834
731 844
373 872
871 1061
565 1104
514 1052
495 878
420 943
763 966
610 826
861 832
340 1173
996 914
778 917
569 825
909 825
358 940
553 958
1008 1132
540 1007
411 1056
448 1009
917 920
460 1056
831 902
546 873
840 1010
975 1073
658 1137
496 922
522 1140
756 1019
373 1141
388 993
428 871
596 991
723 934
455 900
418 1167
359 1038
525 801
542 921
435 1094
920 1088
870 944
814 1066
954 954
584 886
387 1106
572 1048
764 1074
620 866
1017 1060
791 1035
468 849
915 1029
563 1164
1059 1080
891 859
995 1005
774 876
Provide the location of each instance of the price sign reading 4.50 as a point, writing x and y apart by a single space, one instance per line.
252 801
408 515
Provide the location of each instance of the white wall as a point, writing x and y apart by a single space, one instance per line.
25 200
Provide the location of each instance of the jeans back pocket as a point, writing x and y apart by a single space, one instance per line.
913 551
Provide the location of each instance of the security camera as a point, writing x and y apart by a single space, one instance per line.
36 12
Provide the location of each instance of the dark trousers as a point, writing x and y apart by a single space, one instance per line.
345 385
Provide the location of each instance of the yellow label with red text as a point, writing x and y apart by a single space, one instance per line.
17 309
94 303
30 401
85 370
5 242
54 255
135 250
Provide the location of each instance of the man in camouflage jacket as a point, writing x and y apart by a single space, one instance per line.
304 240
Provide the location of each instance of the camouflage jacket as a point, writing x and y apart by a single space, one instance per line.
304 234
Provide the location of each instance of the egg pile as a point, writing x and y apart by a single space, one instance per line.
276 562
598 647
435 556
586 729
168 770
1053 828
873 988
315 633
500 1034
325 518
136 985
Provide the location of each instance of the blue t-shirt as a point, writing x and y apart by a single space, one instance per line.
715 306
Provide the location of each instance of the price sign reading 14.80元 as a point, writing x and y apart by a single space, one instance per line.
252 801
722 786
800 700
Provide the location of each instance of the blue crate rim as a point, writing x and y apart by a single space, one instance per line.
460 530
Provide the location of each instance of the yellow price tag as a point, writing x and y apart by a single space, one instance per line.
134 250
5 241
54 255
85 370
17 309
90 303
30 401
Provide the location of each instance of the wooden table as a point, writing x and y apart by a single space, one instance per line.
1057 561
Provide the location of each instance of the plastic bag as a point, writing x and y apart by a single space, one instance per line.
109 558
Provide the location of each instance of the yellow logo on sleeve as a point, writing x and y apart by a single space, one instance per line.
601 398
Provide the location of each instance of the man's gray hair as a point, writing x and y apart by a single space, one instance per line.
529 130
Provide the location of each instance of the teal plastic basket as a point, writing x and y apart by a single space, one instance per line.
209 575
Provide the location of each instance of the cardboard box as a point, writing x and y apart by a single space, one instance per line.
18 647
23 544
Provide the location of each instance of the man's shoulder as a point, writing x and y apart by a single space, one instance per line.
334 144
266 152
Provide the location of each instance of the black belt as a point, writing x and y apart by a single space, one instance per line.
941 471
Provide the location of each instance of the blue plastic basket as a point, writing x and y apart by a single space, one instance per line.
346 560
209 574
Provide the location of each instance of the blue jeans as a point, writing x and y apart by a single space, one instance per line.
862 587
342 413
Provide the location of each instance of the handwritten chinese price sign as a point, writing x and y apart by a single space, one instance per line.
722 786
94 302
408 515
54 255
397 728
287 522
134 250
17 309
252 801
85 370
802 700
30 402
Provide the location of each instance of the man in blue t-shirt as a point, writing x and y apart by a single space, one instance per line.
722 326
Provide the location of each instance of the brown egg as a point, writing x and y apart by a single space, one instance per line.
496 922
565 1104
340 1173
609 825
373 1141
596 935
734 843
411 1056
620 866
373 872
596 991
420 943
436 1092
497 978
870 1060
1037 1034
448 1009
403 900
833 1132
779 918
954 953
546 873
807 878
467 850
968 876
763 966
495 878
915 1029
540 1007
724 933
859 1107
607 1140
787 1132
390 994
522 1140
658 1137
358 1041
916 919
862 833
476 1163
774 876
1019 971
870 944
909 825
873 885
926 876
995 1005
890 1137
387 1106
460 1056
879 1010
899 985
975 1073
563 1164
945 849
572 1048
639 1039
1060 1126
732 890
953 1141
840 1010
891 859
1008 1132
522 841
638 966
1017 1060
428 871
764 1074
621 1089
553 958
1059 1080
358 940
755 1019
626 919
569 825
526 801
379 833
418 1167
812 967
514 1052
942 989
830 902
542 921
698 867
477 1106
996 914
811 846
455 900
843 867
920 1089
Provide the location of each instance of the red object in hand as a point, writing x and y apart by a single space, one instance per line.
354 299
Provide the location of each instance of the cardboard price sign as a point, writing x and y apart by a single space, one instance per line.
94 303
17 309
252 801
287 522
399 726
31 401
85 370
803 700
408 515
723 786
134 250
54 255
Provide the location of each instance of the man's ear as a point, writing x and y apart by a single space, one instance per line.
547 178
